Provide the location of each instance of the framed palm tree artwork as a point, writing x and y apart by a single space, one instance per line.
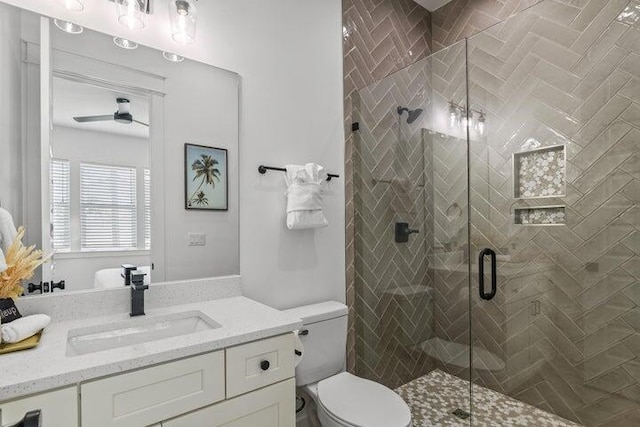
206 179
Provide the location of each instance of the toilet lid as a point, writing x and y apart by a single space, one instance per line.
362 403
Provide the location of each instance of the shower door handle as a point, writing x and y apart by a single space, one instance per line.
494 281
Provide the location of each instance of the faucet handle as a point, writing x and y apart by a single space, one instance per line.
126 274
128 268
137 280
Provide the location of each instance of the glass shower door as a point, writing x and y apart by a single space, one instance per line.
412 288
555 216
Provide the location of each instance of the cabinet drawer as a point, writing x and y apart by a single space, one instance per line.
58 408
154 394
273 406
258 364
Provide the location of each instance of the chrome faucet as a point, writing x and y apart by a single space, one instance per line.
137 293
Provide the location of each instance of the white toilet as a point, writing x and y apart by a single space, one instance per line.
343 400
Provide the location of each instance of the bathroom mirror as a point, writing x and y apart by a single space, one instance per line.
93 161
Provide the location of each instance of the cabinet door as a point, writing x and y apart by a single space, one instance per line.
59 408
150 395
272 406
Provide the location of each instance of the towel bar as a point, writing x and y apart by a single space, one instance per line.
263 169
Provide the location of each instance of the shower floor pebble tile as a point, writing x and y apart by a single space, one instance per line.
433 397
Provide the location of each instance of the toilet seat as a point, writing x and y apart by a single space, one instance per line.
356 402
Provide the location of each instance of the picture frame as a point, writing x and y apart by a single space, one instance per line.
206 178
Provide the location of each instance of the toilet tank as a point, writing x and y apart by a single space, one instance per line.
325 344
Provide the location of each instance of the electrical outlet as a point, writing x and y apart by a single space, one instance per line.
197 239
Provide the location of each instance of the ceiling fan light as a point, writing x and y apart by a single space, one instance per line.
172 57
125 43
68 27
131 13
184 17
73 5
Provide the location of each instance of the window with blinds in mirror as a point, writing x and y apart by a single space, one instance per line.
113 206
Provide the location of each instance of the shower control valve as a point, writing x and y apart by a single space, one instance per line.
403 232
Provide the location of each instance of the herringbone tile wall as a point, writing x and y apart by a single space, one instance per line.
464 18
379 38
567 318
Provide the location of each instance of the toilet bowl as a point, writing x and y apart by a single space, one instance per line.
345 400
342 399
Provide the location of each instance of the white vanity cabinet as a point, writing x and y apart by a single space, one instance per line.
247 385
58 408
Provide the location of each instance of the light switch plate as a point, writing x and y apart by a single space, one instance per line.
197 239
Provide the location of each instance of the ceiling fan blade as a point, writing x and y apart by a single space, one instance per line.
86 119
141 123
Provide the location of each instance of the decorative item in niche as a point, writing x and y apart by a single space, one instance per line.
206 178
541 215
540 173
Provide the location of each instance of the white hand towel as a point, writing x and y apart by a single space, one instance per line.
24 327
304 196
8 230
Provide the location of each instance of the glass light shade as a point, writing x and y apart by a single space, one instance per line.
482 126
454 116
184 16
74 5
131 13
125 43
467 119
172 57
68 27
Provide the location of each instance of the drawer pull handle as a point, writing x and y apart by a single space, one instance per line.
264 365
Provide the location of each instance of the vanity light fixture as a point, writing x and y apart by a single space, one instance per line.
460 117
184 16
131 13
172 57
68 27
73 5
125 43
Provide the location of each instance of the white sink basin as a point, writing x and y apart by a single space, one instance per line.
136 331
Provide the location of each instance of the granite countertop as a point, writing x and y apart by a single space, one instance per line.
47 367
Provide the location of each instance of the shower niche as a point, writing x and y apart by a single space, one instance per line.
540 215
540 174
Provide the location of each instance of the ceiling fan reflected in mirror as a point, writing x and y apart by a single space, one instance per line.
123 115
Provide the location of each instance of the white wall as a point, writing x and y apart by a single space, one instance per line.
289 55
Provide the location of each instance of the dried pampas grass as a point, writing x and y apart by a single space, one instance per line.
22 262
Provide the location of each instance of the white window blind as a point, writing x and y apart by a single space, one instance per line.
147 209
60 205
107 207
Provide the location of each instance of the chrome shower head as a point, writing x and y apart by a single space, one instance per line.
413 114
